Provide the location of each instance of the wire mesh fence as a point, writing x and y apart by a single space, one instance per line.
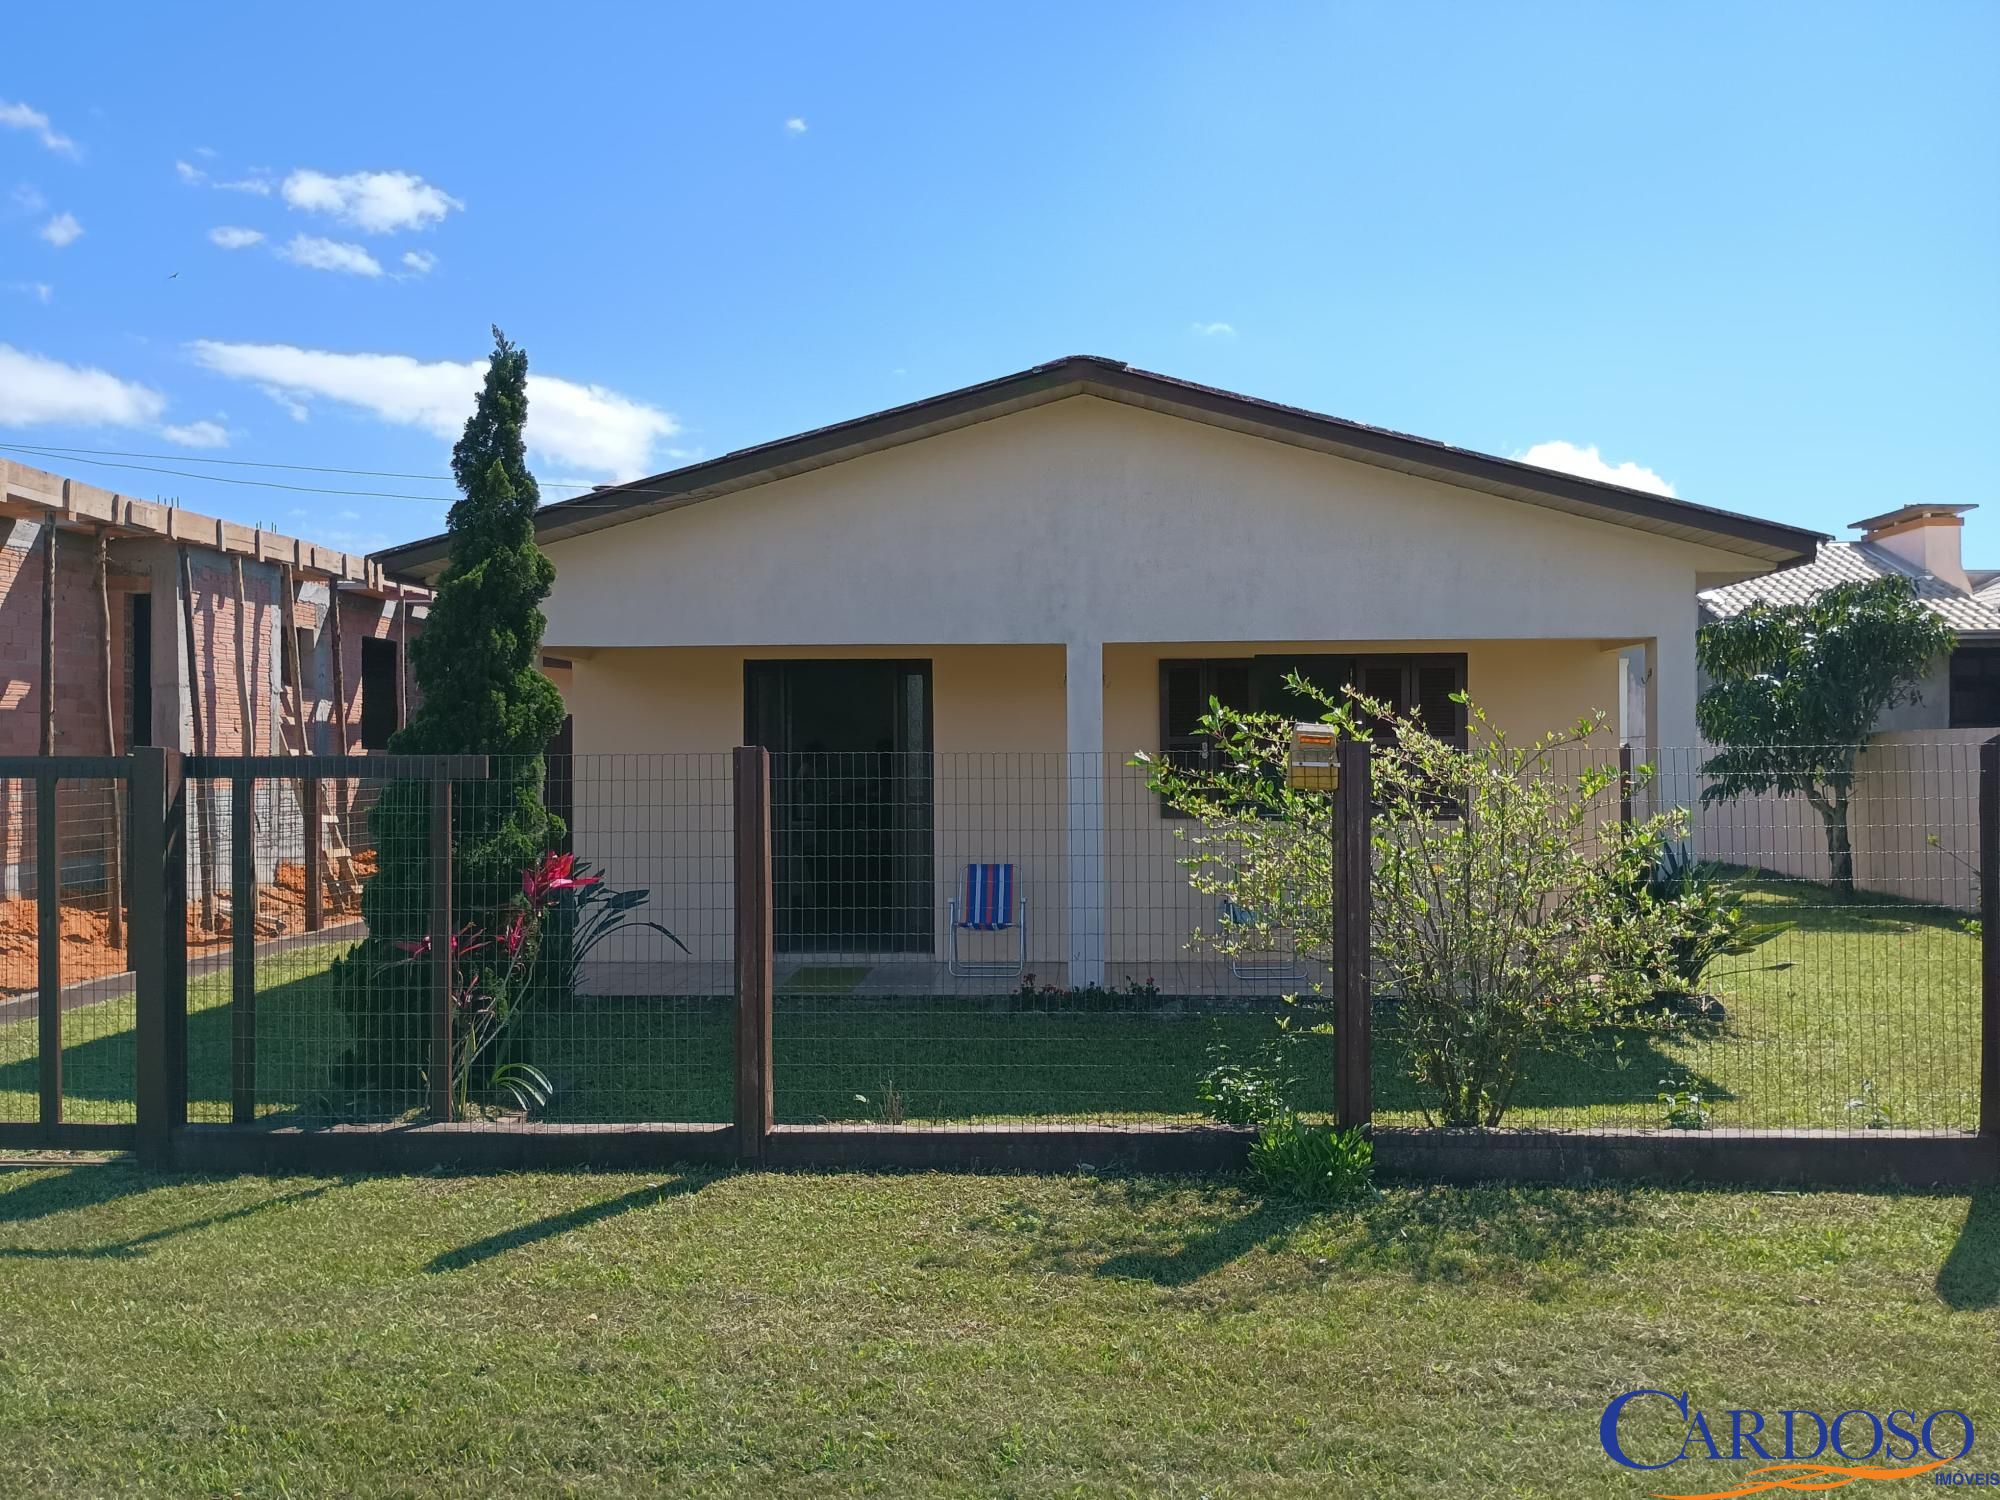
978 939
589 974
1011 941
1800 991
73 844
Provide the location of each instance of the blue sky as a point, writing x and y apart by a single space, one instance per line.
1752 251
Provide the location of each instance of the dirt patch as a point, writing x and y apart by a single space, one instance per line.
87 952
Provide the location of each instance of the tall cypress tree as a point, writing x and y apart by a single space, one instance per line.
476 664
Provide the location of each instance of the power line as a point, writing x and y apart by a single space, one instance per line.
265 484
237 463
76 455
249 463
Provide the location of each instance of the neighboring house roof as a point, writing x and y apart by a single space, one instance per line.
1768 542
1977 613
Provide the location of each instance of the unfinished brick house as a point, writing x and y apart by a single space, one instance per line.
124 622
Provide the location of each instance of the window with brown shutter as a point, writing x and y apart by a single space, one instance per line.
1417 686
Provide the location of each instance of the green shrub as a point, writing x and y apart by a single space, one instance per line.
1312 1163
1705 920
1246 1093
1499 918
1683 1105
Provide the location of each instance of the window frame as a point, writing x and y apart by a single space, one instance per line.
1409 663
1988 656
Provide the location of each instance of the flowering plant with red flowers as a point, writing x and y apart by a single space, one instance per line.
494 972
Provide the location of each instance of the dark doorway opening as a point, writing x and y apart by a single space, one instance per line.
140 730
381 713
851 801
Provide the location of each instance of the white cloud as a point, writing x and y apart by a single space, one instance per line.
316 254
294 409
35 390
234 237
28 199
189 173
373 202
1214 330
419 261
198 435
795 126
62 230
22 117
585 427
261 186
41 291
1588 463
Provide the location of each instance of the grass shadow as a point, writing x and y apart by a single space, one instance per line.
77 1187
1969 1279
138 1245
1153 1231
523 1235
1620 1068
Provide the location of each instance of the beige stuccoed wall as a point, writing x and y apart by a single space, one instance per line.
1033 545
1909 787
1087 521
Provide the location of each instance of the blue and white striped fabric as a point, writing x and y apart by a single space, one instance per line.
989 898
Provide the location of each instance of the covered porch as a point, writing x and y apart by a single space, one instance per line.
897 766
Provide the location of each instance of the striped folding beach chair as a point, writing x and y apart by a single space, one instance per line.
988 905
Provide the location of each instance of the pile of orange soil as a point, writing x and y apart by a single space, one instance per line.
87 952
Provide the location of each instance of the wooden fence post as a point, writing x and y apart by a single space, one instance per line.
754 1093
1353 877
1989 943
159 946
48 952
441 957
315 832
242 951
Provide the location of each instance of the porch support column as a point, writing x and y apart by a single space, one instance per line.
1084 818
1670 731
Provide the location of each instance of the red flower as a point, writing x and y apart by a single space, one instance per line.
557 872
515 935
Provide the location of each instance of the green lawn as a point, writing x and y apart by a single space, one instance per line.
1868 998
814 1335
1865 999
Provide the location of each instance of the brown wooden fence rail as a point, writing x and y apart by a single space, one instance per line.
157 839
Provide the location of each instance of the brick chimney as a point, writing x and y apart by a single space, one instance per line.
1925 536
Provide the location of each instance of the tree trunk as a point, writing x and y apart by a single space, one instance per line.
1839 844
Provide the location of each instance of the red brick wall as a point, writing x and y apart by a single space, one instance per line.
79 682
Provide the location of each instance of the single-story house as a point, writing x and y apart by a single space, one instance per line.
1914 818
1021 583
1922 544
